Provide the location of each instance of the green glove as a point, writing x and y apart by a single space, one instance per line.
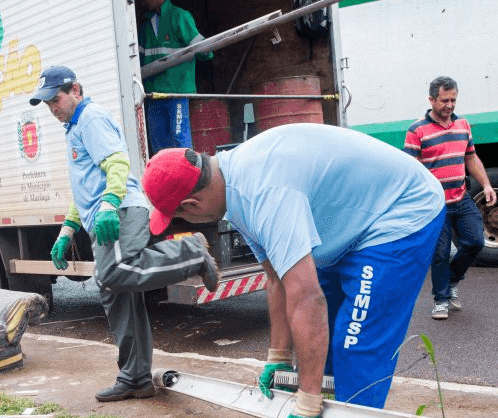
58 250
62 244
299 416
266 377
106 226
107 220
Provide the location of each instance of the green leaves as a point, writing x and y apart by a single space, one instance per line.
429 348
420 410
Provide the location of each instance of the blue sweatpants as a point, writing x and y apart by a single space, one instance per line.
168 123
371 295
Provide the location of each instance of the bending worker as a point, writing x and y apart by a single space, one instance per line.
345 227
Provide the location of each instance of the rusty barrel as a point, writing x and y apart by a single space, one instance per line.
210 124
273 112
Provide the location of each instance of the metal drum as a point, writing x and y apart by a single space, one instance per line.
273 112
210 124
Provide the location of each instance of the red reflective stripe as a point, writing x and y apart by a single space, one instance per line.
210 296
231 288
242 285
256 283
60 218
227 289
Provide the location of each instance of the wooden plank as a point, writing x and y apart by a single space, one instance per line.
78 268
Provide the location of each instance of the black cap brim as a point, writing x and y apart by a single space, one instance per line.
43 94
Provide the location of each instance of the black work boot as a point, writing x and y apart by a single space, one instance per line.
121 391
209 270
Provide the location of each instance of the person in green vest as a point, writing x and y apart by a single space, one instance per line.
167 30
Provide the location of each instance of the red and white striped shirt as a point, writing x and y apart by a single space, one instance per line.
442 151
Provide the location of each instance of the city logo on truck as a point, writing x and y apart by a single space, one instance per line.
28 134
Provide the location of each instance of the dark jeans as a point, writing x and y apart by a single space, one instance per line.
465 219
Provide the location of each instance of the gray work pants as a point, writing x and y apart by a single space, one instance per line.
126 269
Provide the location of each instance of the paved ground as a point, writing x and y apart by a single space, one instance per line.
69 372
465 344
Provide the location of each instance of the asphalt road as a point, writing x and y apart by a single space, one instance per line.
465 344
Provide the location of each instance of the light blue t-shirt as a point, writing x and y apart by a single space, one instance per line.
92 136
303 188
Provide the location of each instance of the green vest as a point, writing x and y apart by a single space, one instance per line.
176 30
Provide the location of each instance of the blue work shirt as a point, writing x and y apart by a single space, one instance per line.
92 136
303 188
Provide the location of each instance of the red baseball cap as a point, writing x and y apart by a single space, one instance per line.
168 179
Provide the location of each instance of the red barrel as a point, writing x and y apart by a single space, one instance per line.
210 124
273 112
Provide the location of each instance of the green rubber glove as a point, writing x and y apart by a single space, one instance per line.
63 243
106 224
58 250
266 377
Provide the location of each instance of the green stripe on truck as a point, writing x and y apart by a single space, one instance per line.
484 129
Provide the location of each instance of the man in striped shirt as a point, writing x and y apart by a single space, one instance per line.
443 143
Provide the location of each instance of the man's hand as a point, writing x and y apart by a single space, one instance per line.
266 378
58 250
106 225
490 194
62 244
299 416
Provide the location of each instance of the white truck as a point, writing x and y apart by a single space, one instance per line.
383 52
393 49
98 40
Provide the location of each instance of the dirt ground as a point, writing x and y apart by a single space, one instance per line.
84 367
475 403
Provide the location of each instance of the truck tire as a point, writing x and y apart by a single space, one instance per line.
488 257
4 284
35 284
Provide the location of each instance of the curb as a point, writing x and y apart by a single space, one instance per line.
429 384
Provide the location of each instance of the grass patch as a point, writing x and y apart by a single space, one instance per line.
15 405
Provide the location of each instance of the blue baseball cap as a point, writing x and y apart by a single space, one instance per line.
50 81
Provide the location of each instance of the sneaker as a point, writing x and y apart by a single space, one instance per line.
454 301
440 310
209 270
121 391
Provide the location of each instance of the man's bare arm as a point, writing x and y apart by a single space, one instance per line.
476 169
308 321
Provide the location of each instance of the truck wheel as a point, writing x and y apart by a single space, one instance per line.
4 284
488 257
34 284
